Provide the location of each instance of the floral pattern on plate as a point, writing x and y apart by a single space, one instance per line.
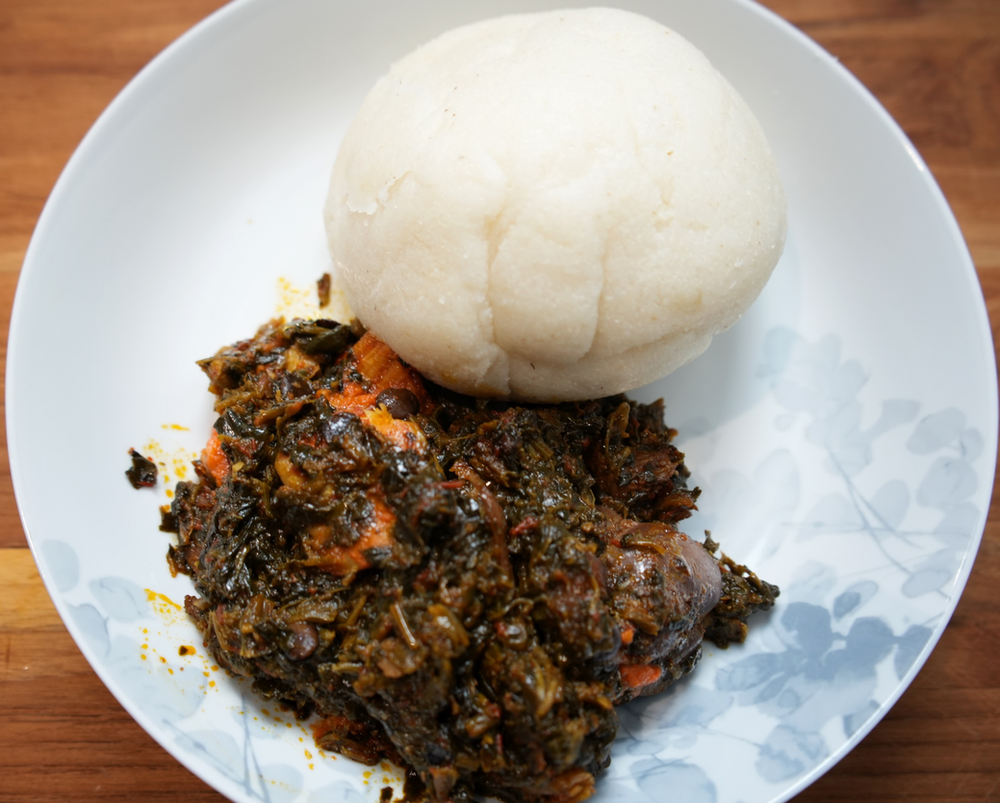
814 672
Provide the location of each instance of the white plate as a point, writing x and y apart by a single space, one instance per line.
843 432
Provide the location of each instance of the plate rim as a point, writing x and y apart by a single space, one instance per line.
214 25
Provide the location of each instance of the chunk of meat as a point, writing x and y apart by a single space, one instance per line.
661 586
383 369
374 532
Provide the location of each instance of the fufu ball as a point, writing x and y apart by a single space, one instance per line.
553 206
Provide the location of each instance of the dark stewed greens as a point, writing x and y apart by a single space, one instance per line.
466 587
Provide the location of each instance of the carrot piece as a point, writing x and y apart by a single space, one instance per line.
639 676
214 459
628 633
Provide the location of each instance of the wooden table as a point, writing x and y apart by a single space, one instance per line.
935 64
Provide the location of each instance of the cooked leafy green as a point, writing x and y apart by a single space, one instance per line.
463 586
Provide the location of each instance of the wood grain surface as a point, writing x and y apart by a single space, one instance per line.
935 64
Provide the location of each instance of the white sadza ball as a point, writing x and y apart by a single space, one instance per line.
553 206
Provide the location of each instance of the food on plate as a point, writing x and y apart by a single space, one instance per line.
466 587
142 473
553 206
323 285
